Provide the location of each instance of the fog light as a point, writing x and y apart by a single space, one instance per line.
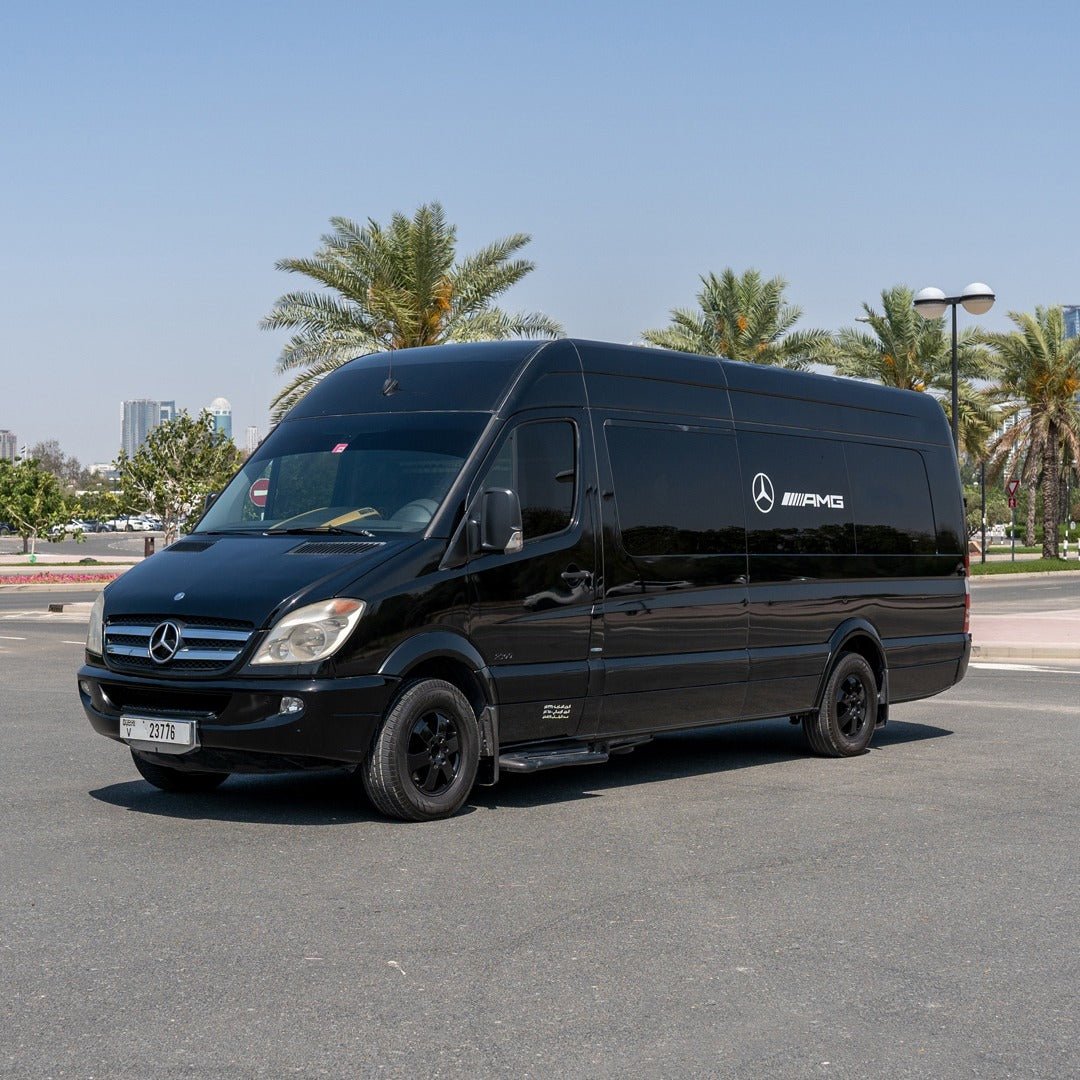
86 688
292 705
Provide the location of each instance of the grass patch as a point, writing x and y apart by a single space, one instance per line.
1022 566
1004 549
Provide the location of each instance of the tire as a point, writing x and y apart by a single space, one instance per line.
423 762
177 780
844 725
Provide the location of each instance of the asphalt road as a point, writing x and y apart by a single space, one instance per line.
1000 596
716 904
98 546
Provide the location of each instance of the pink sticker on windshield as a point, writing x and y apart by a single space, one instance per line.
340 448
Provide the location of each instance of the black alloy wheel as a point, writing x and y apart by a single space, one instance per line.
850 705
434 752
423 762
844 725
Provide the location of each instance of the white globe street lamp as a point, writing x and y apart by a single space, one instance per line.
930 303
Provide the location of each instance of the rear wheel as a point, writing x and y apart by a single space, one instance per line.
844 725
178 780
423 763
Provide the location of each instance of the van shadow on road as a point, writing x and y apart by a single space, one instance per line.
334 798
711 750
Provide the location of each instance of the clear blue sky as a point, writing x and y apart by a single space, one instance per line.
156 159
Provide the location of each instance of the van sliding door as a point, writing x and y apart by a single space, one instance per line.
674 597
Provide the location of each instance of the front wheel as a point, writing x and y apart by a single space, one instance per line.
423 763
844 725
176 780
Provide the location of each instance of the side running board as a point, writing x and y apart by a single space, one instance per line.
534 759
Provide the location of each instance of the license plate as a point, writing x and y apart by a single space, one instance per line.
157 730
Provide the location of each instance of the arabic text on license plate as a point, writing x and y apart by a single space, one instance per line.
157 730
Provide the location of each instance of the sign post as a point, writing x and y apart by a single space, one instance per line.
1012 485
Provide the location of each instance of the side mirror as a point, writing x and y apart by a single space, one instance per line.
500 522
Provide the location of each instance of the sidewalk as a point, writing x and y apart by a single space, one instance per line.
1053 634
52 571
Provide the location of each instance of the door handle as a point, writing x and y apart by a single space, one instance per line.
576 577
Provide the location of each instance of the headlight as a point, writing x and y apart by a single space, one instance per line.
311 633
94 630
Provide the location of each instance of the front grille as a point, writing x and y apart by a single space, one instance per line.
207 645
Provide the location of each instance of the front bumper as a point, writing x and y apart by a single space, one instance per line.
240 724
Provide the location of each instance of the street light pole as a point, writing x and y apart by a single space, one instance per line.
930 303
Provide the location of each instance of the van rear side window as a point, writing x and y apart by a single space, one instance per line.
676 489
893 511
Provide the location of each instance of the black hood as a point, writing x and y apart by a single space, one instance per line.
245 578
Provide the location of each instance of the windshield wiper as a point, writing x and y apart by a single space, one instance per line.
308 529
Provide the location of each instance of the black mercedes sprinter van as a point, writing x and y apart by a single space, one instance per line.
518 555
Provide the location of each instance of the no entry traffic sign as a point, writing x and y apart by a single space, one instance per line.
258 492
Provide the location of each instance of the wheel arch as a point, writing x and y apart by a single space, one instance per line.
443 654
859 636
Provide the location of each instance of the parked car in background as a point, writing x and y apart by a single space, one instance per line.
5 529
69 528
129 523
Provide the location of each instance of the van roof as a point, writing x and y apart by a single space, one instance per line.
486 376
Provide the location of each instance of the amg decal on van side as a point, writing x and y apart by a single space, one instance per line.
808 498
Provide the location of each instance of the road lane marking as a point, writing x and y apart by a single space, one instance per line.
72 642
8 637
987 666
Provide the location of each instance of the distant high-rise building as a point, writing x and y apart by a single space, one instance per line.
140 417
221 411
251 443
1072 320
9 446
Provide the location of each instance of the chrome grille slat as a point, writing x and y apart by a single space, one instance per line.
206 645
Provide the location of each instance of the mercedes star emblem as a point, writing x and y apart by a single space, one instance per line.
164 642
762 492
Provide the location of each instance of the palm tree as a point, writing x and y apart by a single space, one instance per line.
903 349
1040 378
742 318
395 287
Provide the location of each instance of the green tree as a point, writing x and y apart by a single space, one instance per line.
31 499
1039 379
395 287
180 463
900 348
743 318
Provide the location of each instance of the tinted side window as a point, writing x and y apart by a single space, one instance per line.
797 497
890 498
676 490
539 462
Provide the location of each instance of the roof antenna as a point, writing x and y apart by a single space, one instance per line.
391 385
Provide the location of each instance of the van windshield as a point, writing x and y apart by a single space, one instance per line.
358 474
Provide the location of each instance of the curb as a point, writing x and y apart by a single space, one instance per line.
1025 652
75 586
973 578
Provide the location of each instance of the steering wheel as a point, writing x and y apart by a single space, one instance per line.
419 511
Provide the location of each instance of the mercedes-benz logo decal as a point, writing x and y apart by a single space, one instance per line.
762 493
164 642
